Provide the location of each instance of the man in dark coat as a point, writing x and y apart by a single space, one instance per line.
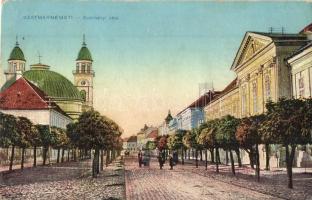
140 158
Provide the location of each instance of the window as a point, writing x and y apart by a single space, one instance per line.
14 67
83 95
83 68
77 67
244 101
254 96
267 84
88 68
301 86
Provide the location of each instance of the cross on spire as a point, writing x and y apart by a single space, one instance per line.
39 57
84 40
16 40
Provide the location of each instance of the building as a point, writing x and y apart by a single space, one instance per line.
24 99
71 98
193 115
224 103
262 73
131 144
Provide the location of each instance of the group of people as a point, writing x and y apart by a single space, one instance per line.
161 159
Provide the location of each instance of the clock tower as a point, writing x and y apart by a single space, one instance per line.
83 75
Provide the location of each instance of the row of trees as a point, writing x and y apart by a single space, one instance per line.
91 132
287 122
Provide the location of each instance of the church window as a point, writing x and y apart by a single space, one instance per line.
77 67
267 84
83 82
14 67
88 68
254 95
83 68
83 95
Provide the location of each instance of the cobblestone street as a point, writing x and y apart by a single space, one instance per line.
68 181
149 183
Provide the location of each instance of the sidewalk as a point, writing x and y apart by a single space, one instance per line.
70 180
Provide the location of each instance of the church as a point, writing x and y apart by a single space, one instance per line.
52 90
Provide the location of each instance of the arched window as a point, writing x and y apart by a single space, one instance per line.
254 96
77 67
88 68
83 95
267 83
83 68
14 67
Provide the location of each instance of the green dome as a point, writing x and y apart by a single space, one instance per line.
53 84
84 54
17 54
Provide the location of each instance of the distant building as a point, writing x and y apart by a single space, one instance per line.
130 144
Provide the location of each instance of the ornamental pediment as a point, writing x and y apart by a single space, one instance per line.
251 45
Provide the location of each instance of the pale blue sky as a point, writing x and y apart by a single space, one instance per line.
152 56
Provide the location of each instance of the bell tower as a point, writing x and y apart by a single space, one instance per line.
83 75
16 63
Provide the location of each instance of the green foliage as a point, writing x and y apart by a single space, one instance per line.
175 141
8 131
225 133
207 136
150 145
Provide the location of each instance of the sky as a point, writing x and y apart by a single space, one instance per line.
149 57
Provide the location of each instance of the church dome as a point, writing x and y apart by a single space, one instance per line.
84 54
53 84
17 54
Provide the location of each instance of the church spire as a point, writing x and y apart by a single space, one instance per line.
84 40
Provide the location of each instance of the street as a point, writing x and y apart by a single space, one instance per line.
151 183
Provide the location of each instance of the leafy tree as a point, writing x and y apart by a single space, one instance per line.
150 145
286 124
175 142
47 138
190 141
225 135
249 137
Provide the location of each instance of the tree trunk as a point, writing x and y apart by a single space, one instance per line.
232 162
196 155
257 163
217 159
23 158
62 158
189 154
289 163
75 154
102 160
107 157
185 156
58 155
182 156
226 157
218 156
238 157
94 174
98 161
68 153
251 158
44 155
12 158
201 155
206 159
35 157
212 155
267 157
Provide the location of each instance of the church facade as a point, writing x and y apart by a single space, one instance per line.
71 97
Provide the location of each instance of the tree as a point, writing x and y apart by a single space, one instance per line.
61 140
46 138
249 137
25 129
225 136
287 124
190 141
175 142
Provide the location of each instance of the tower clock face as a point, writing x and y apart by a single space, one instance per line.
83 82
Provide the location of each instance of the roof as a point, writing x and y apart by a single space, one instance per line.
84 53
202 101
301 49
53 84
306 29
169 117
23 95
266 39
17 54
231 86
153 134
132 139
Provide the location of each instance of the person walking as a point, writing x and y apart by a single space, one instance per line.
160 160
140 158
171 162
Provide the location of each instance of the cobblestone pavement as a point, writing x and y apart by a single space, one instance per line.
68 181
151 183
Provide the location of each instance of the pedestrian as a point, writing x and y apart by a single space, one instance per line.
140 158
160 160
171 162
